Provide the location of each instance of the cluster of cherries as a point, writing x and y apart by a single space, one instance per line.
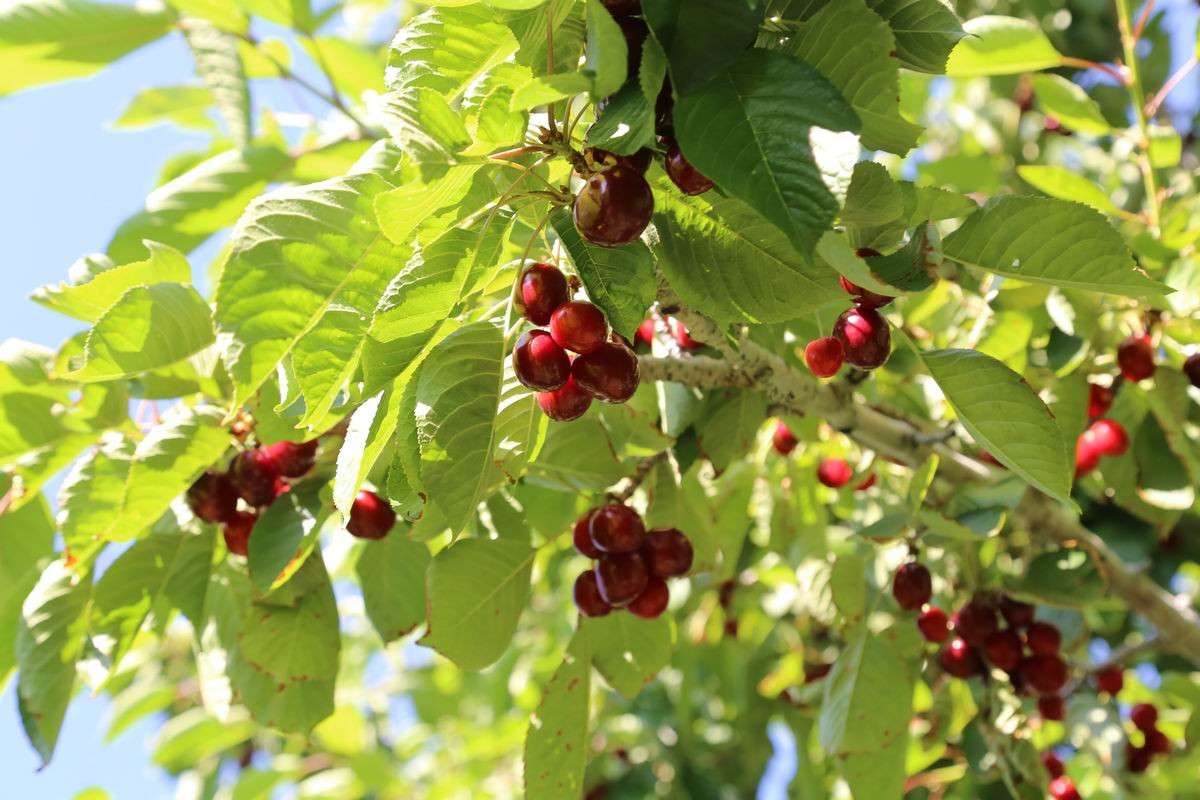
860 335
632 565
256 478
1106 437
832 472
603 367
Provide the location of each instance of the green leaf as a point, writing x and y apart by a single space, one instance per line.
926 31
1049 241
354 68
219 65
1066 184
873 197
996 45
186 106
748 130
42 41
476 592
556 747
392 575
1062 577
618 279
225 15
1169 401
424 123
728 425
1070 104
284 536
627 650
92 493
448 49
150 327
573 459
701 37
1166 147
848 585
295 14
546 89
606 55
720 255
922 479
87 295
870 81
626 124
193 736
26 538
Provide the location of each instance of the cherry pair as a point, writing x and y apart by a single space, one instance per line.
860 337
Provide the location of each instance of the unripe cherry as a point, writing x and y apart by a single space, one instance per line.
1109 437
653 600
824 356
1158 743
1137 759
578 326
541 289
567 402
1087 454
1053 764
679 333
645 333
934 625
912 586
371 517
1135 357
617 528
587 596
539 362
667 552
834 472
865 337
621 577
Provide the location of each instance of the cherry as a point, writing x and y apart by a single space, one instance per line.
1109 437
539 362
1110 680
622 7
635 32
814 672
867 484
621 577
371 517
864 297
1016 614
667 553
1087 454
645 333
587 596
824 356
609 372
581 535
1063 788
1100 400
213 497
912 586
1137 759
783 440
613 207
254 474
1043 639
1052 707
1144 717
686 177
865 336
958 659
569 401
653 600
1053 765
237 532
1157 743
578 326
292 459
682 338
541 289
934 625
834 472
1003 649
617 528
1135 357
1046 674
975 622
1191 368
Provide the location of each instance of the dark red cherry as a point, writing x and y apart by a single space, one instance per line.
664 110
959 659
863 297
1110 680
569 401
293 459
1100 400
667 552
613 207
1137 759
587 596
635 32
1043 639
542 289
1158 743
834 472
579 326
371 517
581 535
1144 717
1109 437
1053 764
934 625
254 473
653 600
686 178
1046 674
783 440
213 497
617 528
610 372
1052 707
975 622
912 586
824 356
1017 614
539 362
1004 650
600 160
1191 368
621 577
237 533
865 336
1135 357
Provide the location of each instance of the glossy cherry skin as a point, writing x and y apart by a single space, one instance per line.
664 110
1053 764
213 497
370 516
617 528
1100 400
613 207
1087 454
587 596
579 326
1110 437
1046 674
975 622
1063 788
783 440
1004 650
686 177
1052 707
959 660
667 552
1043 639
645 333
934 625
254 474
610 372
292 459
865 337
1191 368
912 586
1110 680
635 32
653 600
621 577
1016 613
581 536
539 362
824 356
1135 357
1144 717
863 297
569 401
834 472
541 289
237 533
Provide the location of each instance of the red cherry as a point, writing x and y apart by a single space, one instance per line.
645 333
613 207
539 362
237 533
587 596
1100 400
1144 717
1135 357
867 484
934 625
542 289
370 517
1087 454
824 356
293 459
680 333
959 660
579 326
213 497
815 672
1109 437
1157 743
975 622
1191 368
1043 639
667 552
1017 614
653 600
834 472
621 577
865 336
617 528
686 177
254 473
864 297
1003 649
568 402
1053 765
1110 680
1052 707
610 372
581 535
1137 759
1046 674
783 440
912 586
1063 788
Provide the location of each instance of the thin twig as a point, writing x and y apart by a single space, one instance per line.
1160 97
1140 28
640 473
1116 73
1138 94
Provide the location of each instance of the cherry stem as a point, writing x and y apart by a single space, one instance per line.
1115 72
640 473
1140 28
1160 97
